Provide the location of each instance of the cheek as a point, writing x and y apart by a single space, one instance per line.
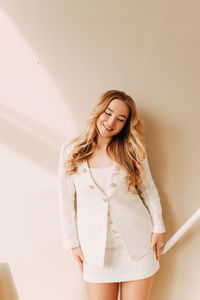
99 120
121 126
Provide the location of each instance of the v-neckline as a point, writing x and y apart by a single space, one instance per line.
113 165
113 168
101 168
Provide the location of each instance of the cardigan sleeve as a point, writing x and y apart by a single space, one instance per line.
66 197
149 194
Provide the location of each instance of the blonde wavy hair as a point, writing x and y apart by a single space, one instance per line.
127 148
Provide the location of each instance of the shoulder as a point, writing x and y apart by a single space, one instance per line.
66 147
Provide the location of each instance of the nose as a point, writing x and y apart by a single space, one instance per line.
110 123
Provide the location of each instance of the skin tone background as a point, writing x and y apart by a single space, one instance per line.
57 58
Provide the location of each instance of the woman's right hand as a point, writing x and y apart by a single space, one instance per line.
79 257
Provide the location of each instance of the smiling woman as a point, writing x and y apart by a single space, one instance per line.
113 119
116 235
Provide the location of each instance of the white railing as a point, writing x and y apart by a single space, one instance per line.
181 231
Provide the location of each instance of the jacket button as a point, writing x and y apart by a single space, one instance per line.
105 200
113 184
91 186
114 231
111 222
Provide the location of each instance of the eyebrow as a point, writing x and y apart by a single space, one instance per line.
113 111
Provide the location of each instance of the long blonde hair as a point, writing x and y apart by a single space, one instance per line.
127 148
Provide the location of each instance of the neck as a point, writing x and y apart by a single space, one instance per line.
103 142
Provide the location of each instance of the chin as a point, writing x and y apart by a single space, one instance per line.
105 134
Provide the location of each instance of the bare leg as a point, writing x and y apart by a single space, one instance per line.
102 291
137 289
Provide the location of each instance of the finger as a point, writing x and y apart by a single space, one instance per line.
79 256
158 250
152 246
80 264
82 257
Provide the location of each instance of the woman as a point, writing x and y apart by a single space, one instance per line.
115 232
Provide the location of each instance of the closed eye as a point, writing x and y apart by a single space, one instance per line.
107 113
110 115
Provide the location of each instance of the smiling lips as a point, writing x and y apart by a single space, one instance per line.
107 128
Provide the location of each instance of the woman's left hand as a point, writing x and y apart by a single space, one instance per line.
156 243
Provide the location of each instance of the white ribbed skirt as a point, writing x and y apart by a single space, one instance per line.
118 265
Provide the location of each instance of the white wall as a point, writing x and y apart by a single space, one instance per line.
57 58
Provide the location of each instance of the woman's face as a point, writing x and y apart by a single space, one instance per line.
113 119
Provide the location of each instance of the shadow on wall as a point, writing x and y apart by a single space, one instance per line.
29 138
7 286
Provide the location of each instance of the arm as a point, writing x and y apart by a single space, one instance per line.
149 194
66 196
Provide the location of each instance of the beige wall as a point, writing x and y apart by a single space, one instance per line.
57 58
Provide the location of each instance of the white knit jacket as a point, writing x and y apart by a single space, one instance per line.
135 216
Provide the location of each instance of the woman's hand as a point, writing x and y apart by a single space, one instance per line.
79 257
156 243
